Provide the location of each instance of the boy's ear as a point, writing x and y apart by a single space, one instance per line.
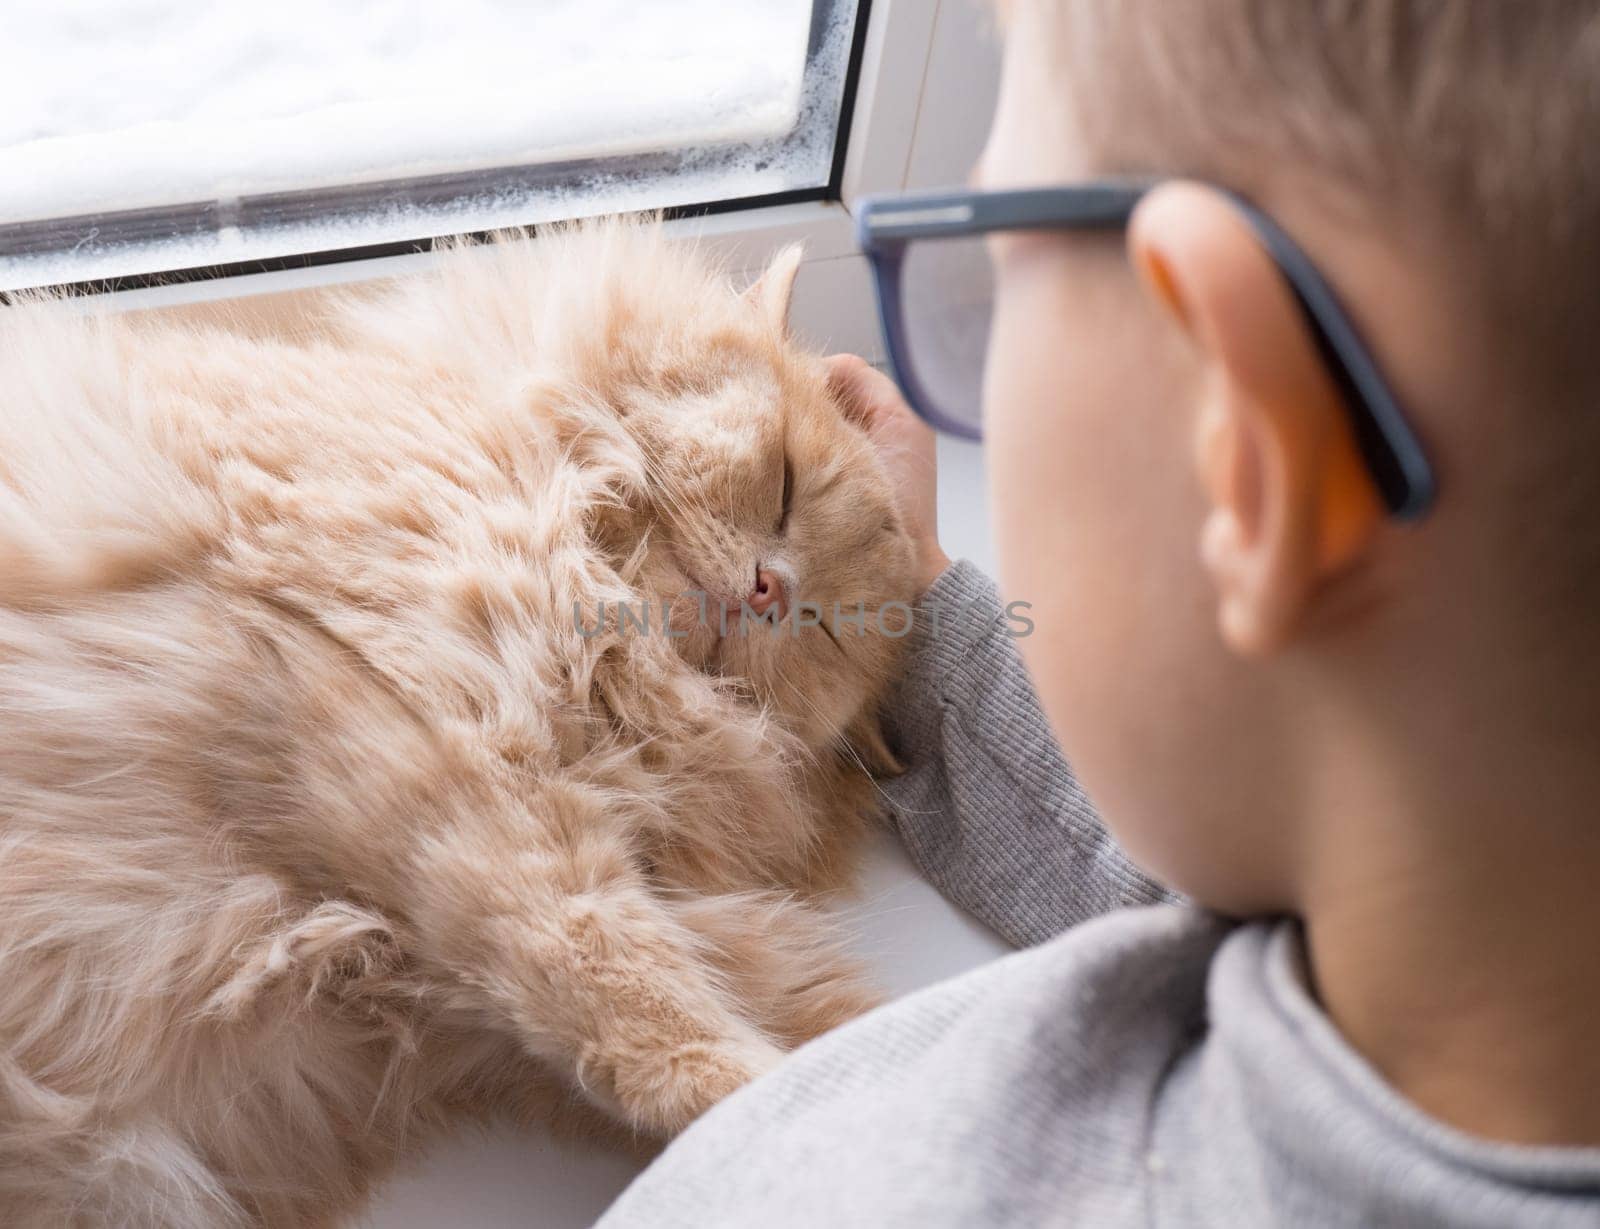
1290 503
772 292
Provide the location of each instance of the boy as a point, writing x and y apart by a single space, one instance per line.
1367 751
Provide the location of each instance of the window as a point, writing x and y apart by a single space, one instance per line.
157 139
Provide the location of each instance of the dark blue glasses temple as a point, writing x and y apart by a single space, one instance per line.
886 225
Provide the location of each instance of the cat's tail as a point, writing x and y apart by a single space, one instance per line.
61 1166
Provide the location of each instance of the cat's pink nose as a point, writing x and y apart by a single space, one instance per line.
768 594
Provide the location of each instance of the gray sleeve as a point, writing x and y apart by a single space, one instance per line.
987 806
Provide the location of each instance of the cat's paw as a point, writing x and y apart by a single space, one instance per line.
671 1093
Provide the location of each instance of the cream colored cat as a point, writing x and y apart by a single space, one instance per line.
324 818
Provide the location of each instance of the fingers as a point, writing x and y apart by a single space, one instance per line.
866 395
905 446
845 370
845 381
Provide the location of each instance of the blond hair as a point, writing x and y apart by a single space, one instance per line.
1489 104
1481 111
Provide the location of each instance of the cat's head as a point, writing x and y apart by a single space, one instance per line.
765 518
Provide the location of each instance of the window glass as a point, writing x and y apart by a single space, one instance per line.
148 135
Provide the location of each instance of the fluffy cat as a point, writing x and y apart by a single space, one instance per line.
331 809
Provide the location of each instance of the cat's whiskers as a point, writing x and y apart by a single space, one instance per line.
842 744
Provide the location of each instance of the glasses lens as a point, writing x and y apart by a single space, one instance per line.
947 290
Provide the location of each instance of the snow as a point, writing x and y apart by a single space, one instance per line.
125 104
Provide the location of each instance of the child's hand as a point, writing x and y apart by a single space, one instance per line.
905 445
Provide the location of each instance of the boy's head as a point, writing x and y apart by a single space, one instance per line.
1227 621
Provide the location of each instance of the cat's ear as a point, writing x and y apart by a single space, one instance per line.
772 292
869 747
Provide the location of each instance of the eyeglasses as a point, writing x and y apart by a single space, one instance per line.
936 296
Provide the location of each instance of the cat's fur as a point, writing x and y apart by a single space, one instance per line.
321 823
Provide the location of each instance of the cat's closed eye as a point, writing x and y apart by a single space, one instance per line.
787 497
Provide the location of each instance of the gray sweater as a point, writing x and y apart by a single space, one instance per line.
1148 1065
